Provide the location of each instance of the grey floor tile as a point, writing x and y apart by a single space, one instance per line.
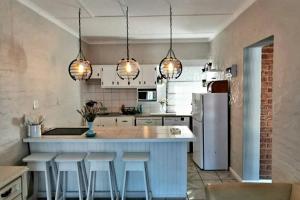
194 194
193 176
195 184
209 175
229 181
225 175
211 182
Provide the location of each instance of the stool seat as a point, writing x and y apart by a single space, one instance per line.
136 156
136 161
39 157
101 156
70 157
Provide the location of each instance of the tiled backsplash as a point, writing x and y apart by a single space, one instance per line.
113 99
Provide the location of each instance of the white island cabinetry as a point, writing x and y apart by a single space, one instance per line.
167 166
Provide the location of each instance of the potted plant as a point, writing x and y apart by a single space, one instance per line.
34 124
89 113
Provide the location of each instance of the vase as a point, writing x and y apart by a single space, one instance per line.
162 108
90 132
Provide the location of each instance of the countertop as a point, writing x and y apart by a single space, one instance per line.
9 173
124 134
147 115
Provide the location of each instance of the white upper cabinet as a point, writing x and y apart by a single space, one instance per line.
97 69
110 79
108 76
149 75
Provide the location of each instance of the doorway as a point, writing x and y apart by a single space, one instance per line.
257 136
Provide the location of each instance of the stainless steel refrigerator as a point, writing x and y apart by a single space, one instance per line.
210 126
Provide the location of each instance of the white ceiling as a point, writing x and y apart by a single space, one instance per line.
103 21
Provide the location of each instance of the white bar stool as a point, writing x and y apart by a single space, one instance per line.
102 161
42 162
136 161
71 162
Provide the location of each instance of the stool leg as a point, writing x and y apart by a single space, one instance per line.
54 171
124 185
58 185
85 181
89 186
110 183
146 182
114 179
79 181
64 187
93 184
48 182
35 184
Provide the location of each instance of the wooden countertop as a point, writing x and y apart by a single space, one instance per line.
124 134
9 173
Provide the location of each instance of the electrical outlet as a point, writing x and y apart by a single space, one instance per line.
35 104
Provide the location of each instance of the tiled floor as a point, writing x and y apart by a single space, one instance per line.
197 179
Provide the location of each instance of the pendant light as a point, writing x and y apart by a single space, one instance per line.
128 68
80 68
170 67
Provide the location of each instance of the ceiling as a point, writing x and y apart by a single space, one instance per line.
103 21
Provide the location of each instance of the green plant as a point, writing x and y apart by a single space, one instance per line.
89 113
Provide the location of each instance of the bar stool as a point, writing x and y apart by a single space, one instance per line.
42 162
102 161
71 162
136 161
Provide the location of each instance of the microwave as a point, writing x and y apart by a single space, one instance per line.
147 95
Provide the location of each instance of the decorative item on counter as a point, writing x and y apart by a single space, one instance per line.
128 68
175 131
129 110
80 68
170 67
89 114
163 103
34 124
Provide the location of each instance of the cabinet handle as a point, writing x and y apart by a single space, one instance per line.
154 82
144 82
140 82
6 193
113 82
124 121
98 74
118 82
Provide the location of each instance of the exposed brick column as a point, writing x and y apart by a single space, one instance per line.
266 113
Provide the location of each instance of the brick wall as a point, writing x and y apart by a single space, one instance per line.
266 113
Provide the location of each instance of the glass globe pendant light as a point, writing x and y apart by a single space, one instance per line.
170 67
80 68
128 68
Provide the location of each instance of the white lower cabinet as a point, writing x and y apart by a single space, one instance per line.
149 121
125 121
114 121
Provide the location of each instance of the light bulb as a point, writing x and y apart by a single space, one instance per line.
80 68
170 67
128 67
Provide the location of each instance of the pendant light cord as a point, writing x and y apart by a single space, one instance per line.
80 54
127 27
171 30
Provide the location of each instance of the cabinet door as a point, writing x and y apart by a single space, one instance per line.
97 71
108 122
125 121
108 78
149 75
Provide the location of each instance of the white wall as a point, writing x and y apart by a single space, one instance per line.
263 19
34 56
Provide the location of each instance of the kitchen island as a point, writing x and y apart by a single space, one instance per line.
167 166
